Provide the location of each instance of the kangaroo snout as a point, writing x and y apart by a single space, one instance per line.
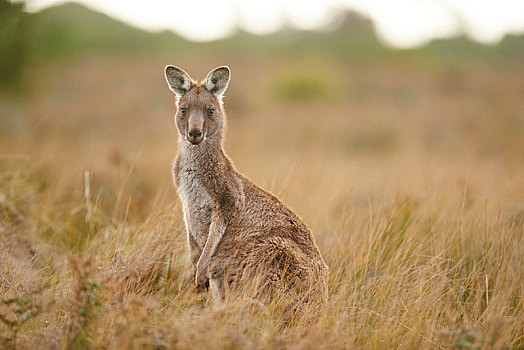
195 136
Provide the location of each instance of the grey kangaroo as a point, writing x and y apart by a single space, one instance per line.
241 238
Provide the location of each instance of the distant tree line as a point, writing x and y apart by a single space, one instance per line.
14 39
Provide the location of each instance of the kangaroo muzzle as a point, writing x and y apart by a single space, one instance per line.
195 128
195 136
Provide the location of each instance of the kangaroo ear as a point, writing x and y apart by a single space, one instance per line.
178 81
217 80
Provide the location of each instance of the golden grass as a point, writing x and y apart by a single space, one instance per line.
412 184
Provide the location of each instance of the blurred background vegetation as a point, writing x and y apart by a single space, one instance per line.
71 30
73 79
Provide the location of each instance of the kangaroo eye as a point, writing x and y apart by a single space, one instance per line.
210 112
183 111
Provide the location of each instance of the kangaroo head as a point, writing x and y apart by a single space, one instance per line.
200 115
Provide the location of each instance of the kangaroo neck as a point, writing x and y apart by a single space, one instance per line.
207 154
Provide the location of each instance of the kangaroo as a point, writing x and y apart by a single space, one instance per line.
241 238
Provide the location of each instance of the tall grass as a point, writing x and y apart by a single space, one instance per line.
433 272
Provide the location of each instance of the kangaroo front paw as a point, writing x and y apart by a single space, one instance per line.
202 288
202 282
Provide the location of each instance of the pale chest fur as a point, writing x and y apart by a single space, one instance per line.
195 200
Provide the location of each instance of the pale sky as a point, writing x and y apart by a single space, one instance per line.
400 23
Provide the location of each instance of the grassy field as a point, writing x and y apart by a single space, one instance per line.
409 171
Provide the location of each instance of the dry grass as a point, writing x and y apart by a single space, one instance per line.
412 179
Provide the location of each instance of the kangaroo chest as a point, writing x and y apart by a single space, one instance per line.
195 201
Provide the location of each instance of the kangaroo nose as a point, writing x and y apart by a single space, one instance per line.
195 133
195 136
